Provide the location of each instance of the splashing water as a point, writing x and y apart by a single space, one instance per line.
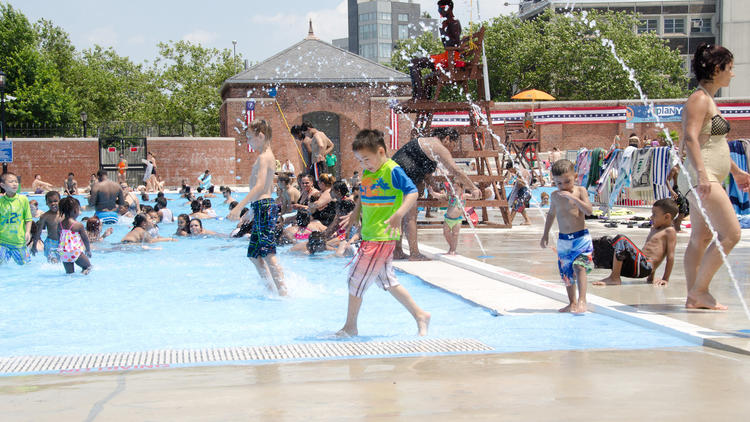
673 153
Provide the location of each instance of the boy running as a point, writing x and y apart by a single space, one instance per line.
387 194
570 204
265 212
51 221
15 222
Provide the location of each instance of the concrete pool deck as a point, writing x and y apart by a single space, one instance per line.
692 383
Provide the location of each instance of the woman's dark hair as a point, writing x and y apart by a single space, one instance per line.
299 130
233 204
244 211
139 219
185 217
196 206
146 209
198 220
327 178
206 203
316 242
302 219
68 205
708 59
443 132
162 202
340 188
345 206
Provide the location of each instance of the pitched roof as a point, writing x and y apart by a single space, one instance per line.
314 61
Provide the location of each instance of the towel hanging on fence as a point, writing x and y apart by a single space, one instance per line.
623 174
583 165
740 200
611 163
660 168
640 178
597 162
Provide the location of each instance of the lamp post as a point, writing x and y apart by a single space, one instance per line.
234 55
84 118
2 111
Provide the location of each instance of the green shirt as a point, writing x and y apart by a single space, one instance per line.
14 213
381 195
330 160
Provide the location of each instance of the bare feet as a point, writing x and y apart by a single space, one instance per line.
704 301
282 289
417 257
526 223
609 281
451 253
347 332
582 307
570 308
659 282
86 271
399 254
422 323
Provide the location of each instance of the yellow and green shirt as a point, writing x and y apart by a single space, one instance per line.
381 195
14 214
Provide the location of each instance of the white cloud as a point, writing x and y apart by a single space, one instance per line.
201 36
466 10
327 23
104 36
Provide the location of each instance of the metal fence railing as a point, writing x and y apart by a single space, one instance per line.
99 129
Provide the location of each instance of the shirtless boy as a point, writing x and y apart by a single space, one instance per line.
629 261
288 194
570 204
51 221
38 186
265 212
70 185
320 146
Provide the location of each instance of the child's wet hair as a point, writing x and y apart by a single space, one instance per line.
4 177
68 206
340 188
233 204
669 206
206 203
561 167
196 206
93 224
261 126
316 242
369 139
139 220
52 194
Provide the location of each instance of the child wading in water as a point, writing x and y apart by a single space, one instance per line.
74 242
15 222
454 215
570 204
387 194
265 211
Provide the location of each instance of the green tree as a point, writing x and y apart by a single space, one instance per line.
186 79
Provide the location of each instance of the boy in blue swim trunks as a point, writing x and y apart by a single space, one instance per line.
15 222
570 204
51 221
265 212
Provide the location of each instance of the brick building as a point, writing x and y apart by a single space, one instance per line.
338 91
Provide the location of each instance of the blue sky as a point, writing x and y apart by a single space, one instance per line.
261 28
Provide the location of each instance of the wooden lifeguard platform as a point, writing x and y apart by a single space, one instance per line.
486 150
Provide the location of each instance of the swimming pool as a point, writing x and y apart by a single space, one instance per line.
204 293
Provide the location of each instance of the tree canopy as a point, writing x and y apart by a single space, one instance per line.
53 82
566 56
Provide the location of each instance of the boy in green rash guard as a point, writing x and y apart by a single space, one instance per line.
386 194
15 222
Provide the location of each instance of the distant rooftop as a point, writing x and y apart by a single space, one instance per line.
314 61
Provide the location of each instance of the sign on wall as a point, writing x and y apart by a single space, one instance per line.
644 114
6 151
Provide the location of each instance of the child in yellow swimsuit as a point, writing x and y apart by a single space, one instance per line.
454 215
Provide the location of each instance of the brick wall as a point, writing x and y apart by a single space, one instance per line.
177 158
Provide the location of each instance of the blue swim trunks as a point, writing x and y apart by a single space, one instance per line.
574 249
19 254
50 249
108 217
262 238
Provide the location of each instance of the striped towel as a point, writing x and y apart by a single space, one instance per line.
640 177
740 200
583 165
660 167
623 174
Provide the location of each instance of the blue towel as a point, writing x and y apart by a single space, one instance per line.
740 200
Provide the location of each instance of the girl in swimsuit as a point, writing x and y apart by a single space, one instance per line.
709 163
74 241
454 215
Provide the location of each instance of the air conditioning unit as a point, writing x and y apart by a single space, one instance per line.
697 23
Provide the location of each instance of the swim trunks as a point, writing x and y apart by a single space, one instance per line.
316 169
373 263
38 191
50 249
108 217
452 222
574 249
19 254
634 263
262 241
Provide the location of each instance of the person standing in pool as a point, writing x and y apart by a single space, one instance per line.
122 167
15 222
320 146
50 220
105 197
387 194
265 211
419 158
74 245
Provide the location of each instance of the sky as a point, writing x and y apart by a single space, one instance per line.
261 28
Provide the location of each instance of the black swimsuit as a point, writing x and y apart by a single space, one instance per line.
414 161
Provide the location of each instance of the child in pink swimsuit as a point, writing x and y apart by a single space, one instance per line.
74 242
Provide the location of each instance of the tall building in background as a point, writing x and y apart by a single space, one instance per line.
684 24
375 26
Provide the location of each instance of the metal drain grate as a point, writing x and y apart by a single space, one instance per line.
104 362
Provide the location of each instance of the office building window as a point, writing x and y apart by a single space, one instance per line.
368 32
385 51
701 25
674 25
385 31
383 16
366 17
403 17
648 25
403 32
368 51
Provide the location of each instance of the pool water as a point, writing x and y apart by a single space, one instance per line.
203 293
